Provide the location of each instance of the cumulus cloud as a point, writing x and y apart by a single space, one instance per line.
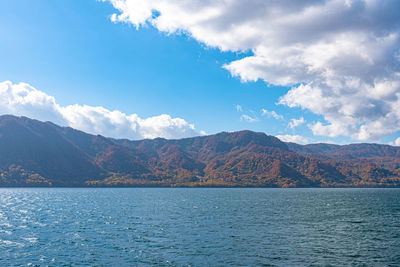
24 100
293 139
296 122
248 118
340 57
272 114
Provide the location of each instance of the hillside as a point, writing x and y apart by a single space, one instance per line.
34 153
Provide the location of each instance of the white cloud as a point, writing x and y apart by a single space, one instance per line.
344 53
296 122
248 118
239 108
293 138
272 114
24 100
397 142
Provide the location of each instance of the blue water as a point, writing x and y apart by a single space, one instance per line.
200 227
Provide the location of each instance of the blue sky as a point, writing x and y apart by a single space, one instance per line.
71 50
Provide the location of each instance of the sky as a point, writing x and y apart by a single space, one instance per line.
304 71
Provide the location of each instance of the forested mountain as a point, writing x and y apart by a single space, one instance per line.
34 153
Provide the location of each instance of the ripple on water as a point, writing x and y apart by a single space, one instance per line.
9 243
198 227
31 239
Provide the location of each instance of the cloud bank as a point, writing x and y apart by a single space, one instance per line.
24 100
341 58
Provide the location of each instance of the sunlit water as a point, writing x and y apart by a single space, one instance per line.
200 227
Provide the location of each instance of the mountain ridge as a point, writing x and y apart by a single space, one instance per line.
35 153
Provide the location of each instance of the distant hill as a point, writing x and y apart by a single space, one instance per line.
34 153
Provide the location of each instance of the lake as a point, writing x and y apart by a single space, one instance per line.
199 227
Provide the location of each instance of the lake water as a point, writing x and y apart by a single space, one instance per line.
199 227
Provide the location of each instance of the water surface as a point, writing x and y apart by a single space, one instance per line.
200 227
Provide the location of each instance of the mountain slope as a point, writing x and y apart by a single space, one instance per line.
38 148
34 153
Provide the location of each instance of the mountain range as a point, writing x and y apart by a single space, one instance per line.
35 153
